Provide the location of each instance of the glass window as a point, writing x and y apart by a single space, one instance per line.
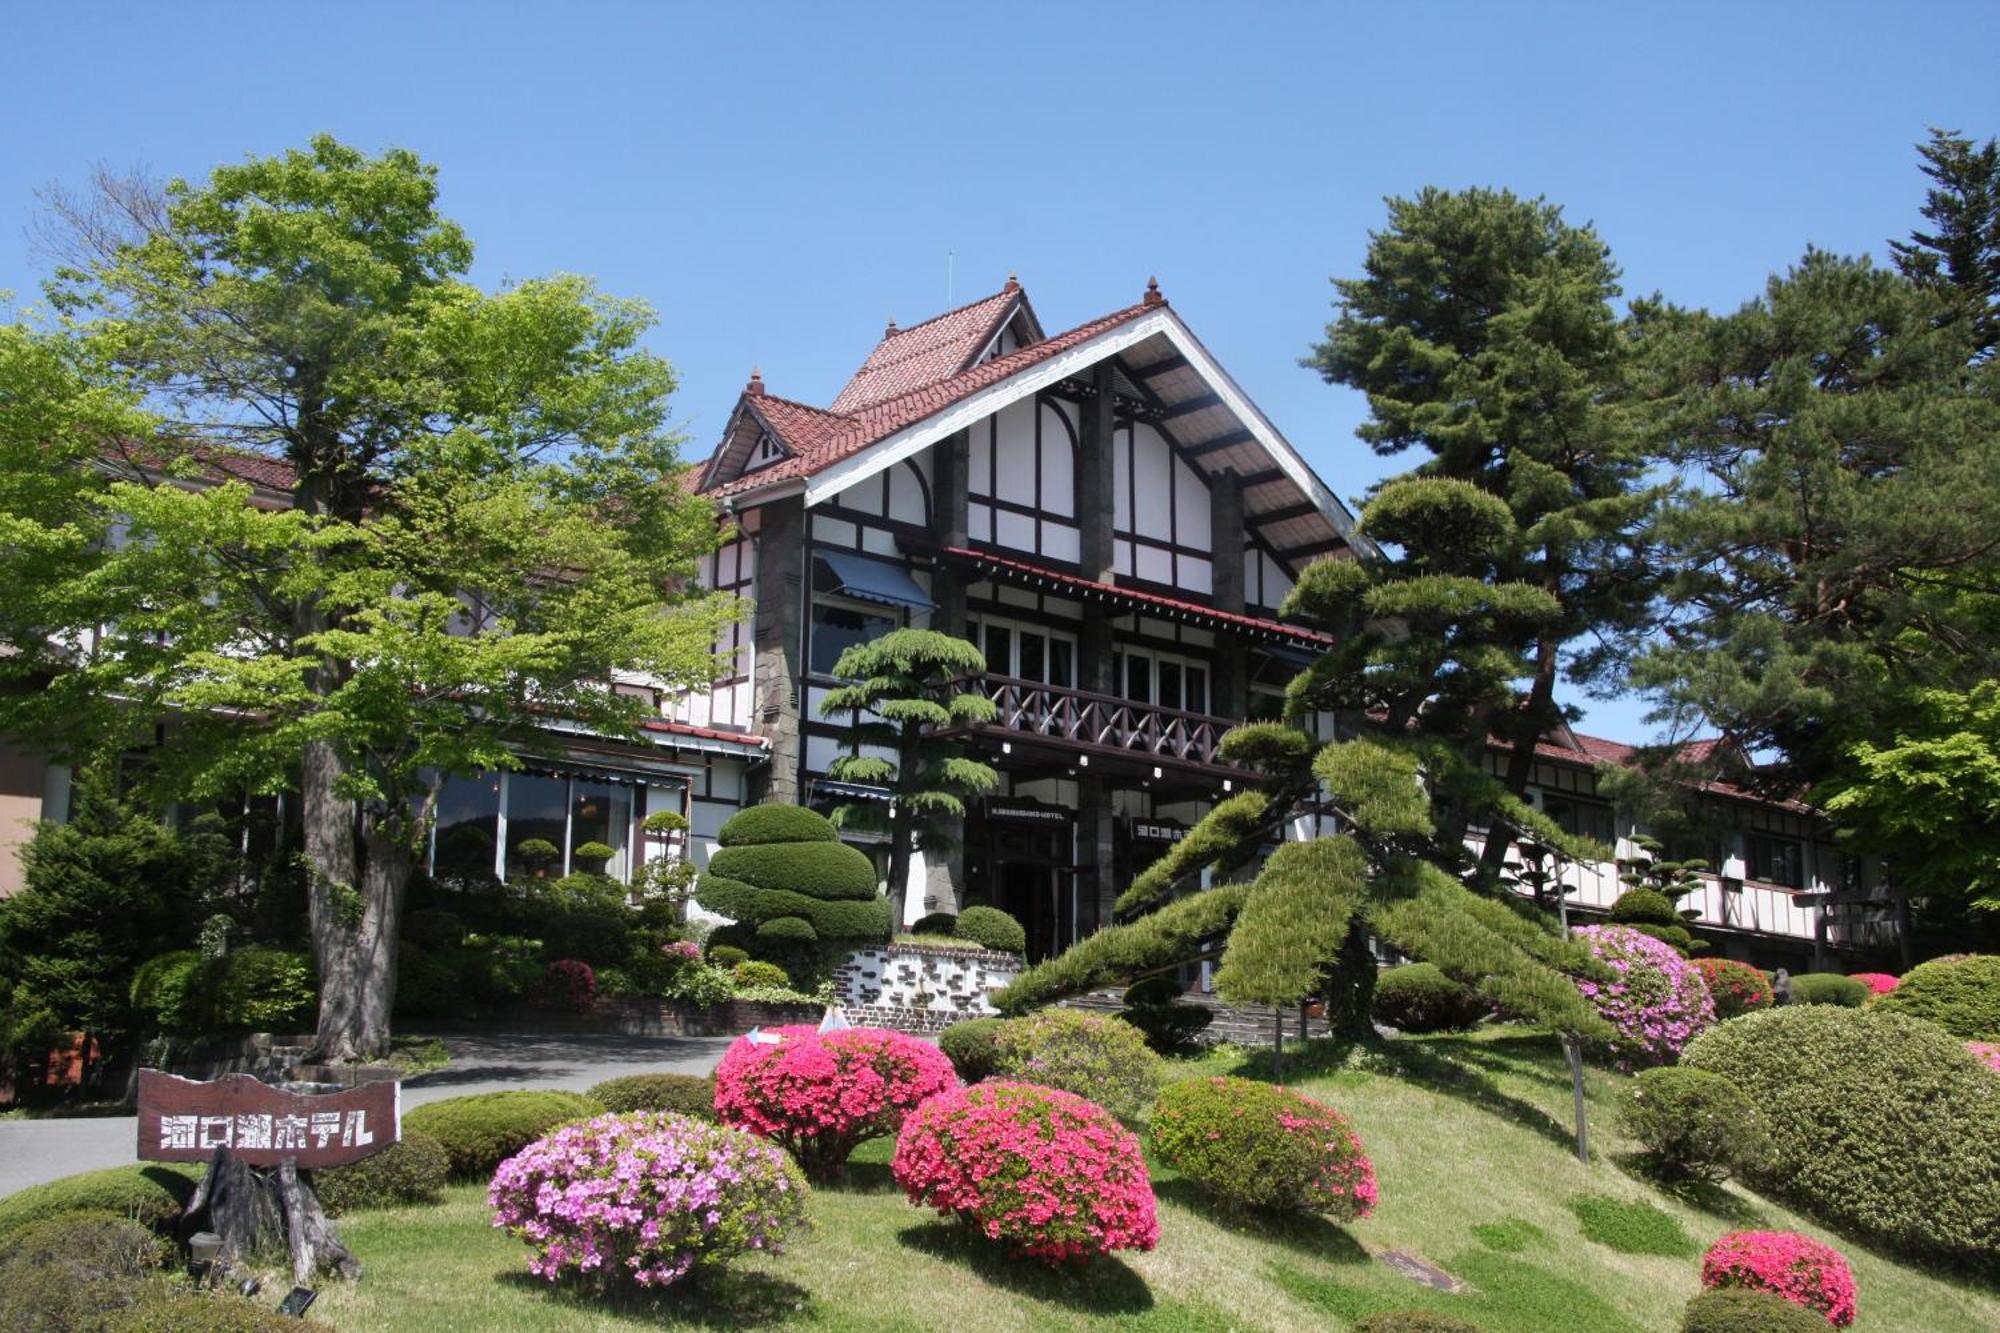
1197 690
1000 650
537 810
1170 684
600 812
835 629
1062 664
1138 678
1775 860
1585 819
1034 657
468 827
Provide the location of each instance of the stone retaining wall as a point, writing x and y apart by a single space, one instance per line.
921 988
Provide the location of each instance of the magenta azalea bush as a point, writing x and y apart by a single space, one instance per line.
1044 1172
570 985
1256 1145
646 1197
1879 983
1657 999
823 1095
1796 1267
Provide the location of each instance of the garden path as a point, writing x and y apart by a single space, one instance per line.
32 1151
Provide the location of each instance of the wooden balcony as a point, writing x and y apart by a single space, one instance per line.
1093 724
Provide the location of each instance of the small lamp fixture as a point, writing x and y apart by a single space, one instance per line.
1156 774
203 1247
1006 747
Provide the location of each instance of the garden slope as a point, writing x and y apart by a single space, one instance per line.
1465 1132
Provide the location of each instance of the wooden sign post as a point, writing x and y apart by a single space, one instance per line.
257 1139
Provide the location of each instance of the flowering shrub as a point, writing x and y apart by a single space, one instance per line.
1988 1052
1657 1000
570 985
1087 1054
646 1196
1259 1145
1796 1267
1880 983
685 951
821 1095
1736 988
1045 1172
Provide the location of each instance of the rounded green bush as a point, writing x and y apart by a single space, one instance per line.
83 1252
726 956
1961 995
481 1131
776 823
1153 990
785 930
1257 1145
1748 1310
936 923
411 1170
686 1093
593 851
1418 997
1829 988
1693 1124
1649 906
1094 1057
174 1309
170 994
266 990
991 928
755 973
1880 1123
151 1193
1414 1321
433 928
815 870
970 1045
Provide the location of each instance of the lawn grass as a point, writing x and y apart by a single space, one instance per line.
1478 1176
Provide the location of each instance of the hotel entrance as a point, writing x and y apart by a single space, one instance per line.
1020 855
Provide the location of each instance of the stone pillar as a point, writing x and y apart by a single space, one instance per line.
1096 889
949 525
778 638
1096 496
1231 697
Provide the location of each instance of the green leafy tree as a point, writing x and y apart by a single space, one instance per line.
1960 255
476 539
903 689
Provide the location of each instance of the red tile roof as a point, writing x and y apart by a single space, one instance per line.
1598 750
220 462
910 359
821 446
743 738
1170 605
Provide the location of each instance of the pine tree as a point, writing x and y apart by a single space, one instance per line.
1961 255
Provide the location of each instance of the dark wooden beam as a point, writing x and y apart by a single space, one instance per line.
1300 510
1225 441
1174 362
1197 404
1264 478
1311 549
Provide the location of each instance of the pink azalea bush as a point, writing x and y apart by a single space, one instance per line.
1044 1172
683 951
1796 1267
822 1096
1656 1000
1988 1051
646 1197
1257 1145
570 985
1879 983
1736 988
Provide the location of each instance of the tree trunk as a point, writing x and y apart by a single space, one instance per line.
262 1213
1573 1052
357 873
1524 730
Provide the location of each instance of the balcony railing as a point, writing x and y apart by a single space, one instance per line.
1099 721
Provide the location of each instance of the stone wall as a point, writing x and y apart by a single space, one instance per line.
921 988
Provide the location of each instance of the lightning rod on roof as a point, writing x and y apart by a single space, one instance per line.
950 259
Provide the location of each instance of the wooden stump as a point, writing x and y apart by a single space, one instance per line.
266 1211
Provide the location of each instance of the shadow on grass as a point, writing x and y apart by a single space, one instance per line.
1103 1286
1445 1075
1701 1195
1511 1055
729 1298
1307 1233
1313 1058
859 1177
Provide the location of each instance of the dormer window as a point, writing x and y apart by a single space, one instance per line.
764 453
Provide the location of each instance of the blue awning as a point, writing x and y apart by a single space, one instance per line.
874 580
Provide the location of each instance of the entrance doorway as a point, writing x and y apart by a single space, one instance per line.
1043 899
1022 856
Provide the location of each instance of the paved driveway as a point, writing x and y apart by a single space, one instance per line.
32 1151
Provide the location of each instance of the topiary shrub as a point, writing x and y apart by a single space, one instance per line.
411 1170
1086 1054
71 1270
991 928
1657 1002
1742 1310
646 1197
1418 997
1736 988
152 1194
685 1094
1884 1124
1829 988
756 973
972 1047
822 1095
1413 1321
820 871
593 851
1170 1024
726 956
1045 1173
1962 996
1693 1124
1878 983
481 1131
1796 1267
936 923
1257 1145
776 823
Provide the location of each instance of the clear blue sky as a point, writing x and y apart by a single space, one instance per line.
779 179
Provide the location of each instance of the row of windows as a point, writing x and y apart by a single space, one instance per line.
1768 858
504 825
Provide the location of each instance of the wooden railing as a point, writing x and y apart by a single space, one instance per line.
1102 722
